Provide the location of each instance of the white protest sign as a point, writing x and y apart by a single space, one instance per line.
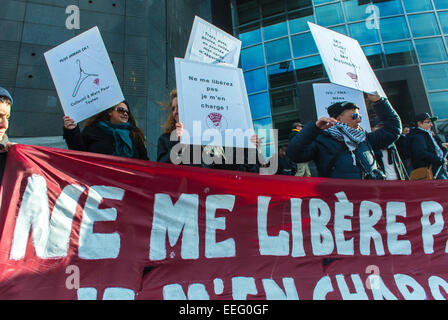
345 61
213 105
325 94
210 44
83 75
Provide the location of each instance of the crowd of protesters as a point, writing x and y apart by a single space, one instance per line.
337 145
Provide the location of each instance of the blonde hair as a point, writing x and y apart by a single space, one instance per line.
170 122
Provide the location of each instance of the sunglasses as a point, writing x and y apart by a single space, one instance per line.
122 110
356 116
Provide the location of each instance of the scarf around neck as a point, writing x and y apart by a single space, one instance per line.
351 137
121 134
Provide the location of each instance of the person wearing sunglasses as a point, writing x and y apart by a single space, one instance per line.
338 144
113 131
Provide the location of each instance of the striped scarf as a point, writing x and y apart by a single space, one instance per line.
351 137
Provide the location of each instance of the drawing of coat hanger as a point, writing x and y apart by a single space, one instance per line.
82 77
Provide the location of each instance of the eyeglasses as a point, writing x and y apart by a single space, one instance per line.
122 110
356 115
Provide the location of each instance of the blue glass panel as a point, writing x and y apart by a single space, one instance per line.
260 105
329 15
303 45
321 1
252 57
354 11
340 29
430 50
298 21
436 76
423 25
394 29
263 129
277 50
389 8
400 53
250 37
360 32
281 74
441 4
439 104
374 55
275 31
443 17
309 68
416 6
256 80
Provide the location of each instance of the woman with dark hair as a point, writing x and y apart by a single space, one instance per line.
113 131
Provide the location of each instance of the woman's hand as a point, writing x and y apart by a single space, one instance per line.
69 123
373 97
325 123
179 129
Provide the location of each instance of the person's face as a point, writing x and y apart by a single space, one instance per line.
175 109
426 124
350 117
406 130
5 111
120 114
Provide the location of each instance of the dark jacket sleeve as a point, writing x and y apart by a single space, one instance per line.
391 130
74 139
302 147
142 152
421 153
164 146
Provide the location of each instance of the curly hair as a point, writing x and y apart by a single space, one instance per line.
136 132
170 122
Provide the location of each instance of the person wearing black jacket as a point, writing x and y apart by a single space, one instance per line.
340 147
425 148
113 131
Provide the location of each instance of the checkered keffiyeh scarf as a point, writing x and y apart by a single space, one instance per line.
351 137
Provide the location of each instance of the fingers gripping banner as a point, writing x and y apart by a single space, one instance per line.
76 225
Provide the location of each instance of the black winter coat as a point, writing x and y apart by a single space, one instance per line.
422 151
312 143
93 139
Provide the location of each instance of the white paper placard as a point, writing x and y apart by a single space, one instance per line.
345 61
213 105
209 44
325 94
83 75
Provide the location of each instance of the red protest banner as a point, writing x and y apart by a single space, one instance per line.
76 225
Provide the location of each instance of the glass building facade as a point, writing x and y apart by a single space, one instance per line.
399 37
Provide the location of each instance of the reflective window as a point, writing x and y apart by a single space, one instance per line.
340 29
252 57
250 35
430 50
284 100
281 74
271 7
321 1
260 105
248 11
303 45
360 32
435 76
416 6
441 4
277 50
297 4
394 29
423 25
389 8
439 104
329 15
283 124
443 17
274 28
309 68
400 53
298 21
354 11
263 129
255 80
374 55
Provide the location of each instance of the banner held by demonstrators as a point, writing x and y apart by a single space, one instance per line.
209 44
345 61
83 75
325 94
102 227
213 105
